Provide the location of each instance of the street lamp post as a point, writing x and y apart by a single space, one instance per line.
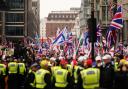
92 29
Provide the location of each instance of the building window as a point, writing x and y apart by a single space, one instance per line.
15 4
14 17
71 16
104 13
59 16
63 16
14 31
34 4
52 16
55 16
74 16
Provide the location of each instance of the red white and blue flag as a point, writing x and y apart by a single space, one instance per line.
111 38
117 21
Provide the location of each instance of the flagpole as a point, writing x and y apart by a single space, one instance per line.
92 30
122 38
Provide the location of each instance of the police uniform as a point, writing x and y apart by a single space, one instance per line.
70 68
62 79
30 80
53 69
116 65
22 74
13 75
42 79
90 78
2 75
76 72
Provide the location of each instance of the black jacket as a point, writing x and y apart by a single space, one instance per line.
121 80
107 76
30 79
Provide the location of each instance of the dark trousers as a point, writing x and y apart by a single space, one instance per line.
2 82
63 88
13 81
21 79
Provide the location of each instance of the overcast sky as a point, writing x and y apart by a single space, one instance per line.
47 6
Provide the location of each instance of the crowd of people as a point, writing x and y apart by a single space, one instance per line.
23 69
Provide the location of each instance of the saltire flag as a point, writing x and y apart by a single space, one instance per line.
117 21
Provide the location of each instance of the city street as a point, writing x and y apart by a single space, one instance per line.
63 44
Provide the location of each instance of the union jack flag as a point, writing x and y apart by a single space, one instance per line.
117 21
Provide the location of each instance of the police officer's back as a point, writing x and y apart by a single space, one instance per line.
62 77
13 74
89 77
43 76
3 73
22 74
30 79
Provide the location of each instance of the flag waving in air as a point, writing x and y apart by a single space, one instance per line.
117 21
61 37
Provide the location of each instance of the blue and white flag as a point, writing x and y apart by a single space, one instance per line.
60 39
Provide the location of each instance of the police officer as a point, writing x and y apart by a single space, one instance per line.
121 76
22 74
43 76
76 72
116 63
30 79
62 77
54 67
3 74
13 74
89 77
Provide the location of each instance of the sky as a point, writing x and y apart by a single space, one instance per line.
46 6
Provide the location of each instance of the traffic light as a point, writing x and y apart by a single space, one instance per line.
92 29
